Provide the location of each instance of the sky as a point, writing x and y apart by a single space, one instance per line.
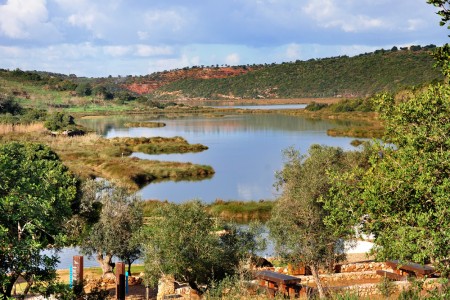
98 38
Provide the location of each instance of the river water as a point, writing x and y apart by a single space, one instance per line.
245 151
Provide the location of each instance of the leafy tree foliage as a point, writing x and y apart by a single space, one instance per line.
182 241
405 190
119 221
8 105
59 121
297 223
37 197
444 11
83 89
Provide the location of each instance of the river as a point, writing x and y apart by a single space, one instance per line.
245 151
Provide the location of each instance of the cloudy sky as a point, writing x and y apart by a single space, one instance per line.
137 37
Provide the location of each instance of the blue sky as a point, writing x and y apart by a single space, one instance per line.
137 37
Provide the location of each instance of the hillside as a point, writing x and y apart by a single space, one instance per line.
342 76
332 78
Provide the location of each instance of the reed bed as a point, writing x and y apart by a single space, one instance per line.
21 128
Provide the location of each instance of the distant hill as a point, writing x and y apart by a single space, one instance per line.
337 77
342 76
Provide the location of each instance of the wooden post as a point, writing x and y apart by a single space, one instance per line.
120 281
77 270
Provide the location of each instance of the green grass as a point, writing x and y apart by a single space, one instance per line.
242 211
94 156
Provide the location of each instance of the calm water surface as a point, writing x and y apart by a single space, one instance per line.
244 150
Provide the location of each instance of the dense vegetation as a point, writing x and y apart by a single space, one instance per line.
343 76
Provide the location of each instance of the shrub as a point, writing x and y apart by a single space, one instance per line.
59 121
8 105
314 106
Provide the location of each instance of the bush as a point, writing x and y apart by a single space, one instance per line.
83 89
350 105
314 106
9 105
59 121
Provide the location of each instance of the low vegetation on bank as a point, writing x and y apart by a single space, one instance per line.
235 211
94 156
145 124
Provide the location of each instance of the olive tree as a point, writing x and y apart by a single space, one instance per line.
404 193
183 241
297 221
37 197
119 221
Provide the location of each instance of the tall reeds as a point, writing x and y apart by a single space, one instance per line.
21 128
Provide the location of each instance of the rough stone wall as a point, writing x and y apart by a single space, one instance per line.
166 286
363 267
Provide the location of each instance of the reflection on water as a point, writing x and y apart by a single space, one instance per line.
244 150
265 107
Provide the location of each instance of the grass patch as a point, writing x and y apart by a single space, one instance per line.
237 211
145 124
242 211
94 156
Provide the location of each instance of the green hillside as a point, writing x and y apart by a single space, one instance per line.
357 76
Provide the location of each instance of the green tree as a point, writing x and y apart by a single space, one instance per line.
83 89
404 192
59 121
444 11
297 222
183 241
119 221
37 197
8 105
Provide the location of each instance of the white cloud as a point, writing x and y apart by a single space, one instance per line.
329 14
117 51
20 18
293 52
414 24
142 35
146 50
173 63
232 59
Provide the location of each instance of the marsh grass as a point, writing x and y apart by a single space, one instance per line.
92 156
241 211
145 124
21 128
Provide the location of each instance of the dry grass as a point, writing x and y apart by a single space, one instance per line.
20 128
94 156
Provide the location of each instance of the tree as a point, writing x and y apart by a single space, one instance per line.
59 121
37 196
183 241
404 192
8 105
83 89
297 222
444 11
119 221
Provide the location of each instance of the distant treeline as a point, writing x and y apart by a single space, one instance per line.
342 76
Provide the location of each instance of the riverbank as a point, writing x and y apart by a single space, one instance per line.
92 156
241 212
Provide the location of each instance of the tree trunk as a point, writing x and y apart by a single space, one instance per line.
9 286
315 274
105 263
129 268
195 287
